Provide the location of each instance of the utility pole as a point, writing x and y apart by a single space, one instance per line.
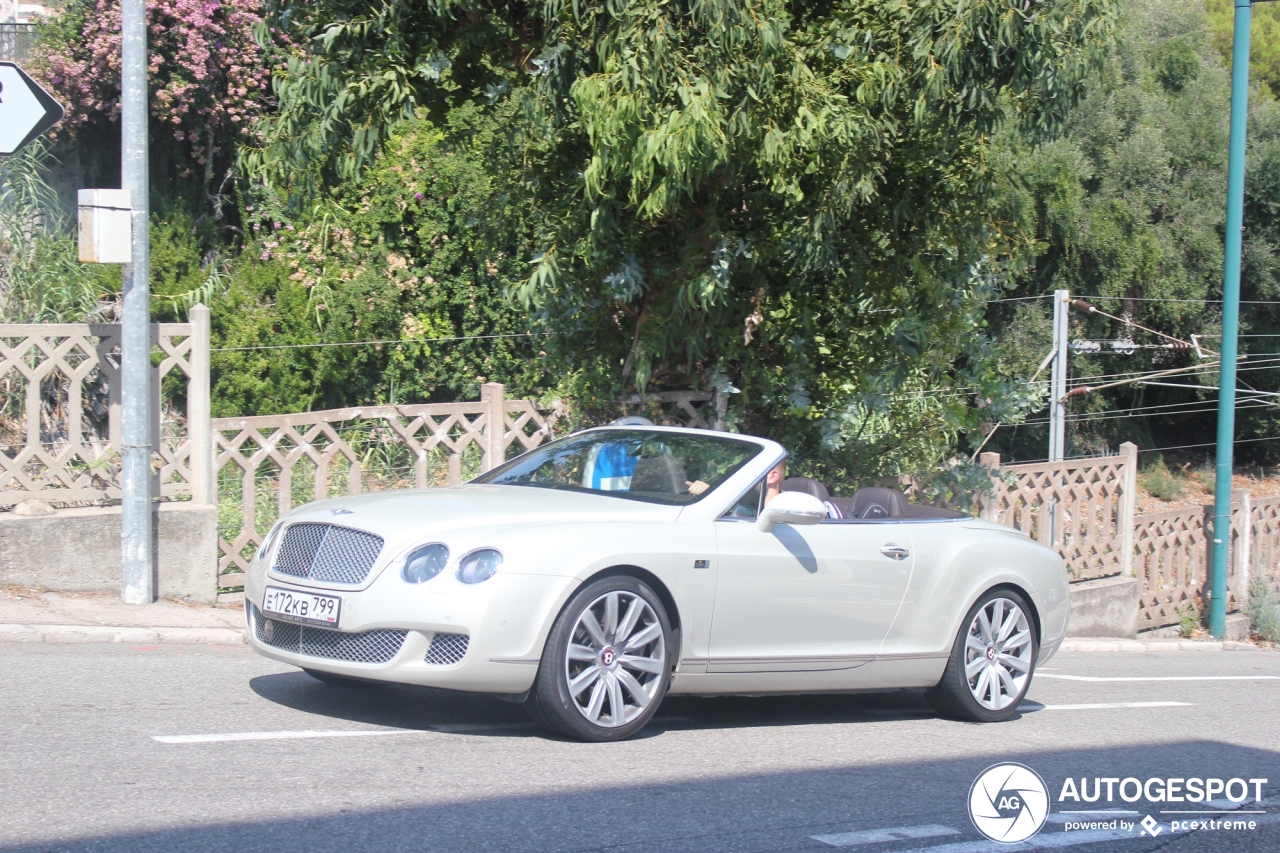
1057 395
1058 378
138 561
1230 320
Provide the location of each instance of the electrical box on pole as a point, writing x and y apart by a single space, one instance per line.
106 226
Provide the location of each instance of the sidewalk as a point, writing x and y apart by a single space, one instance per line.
28 616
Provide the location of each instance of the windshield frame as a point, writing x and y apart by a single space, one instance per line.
745 441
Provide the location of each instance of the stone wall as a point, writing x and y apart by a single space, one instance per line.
78 550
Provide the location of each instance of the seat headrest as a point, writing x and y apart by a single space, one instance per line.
879 503
806 485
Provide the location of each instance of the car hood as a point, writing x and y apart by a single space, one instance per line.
395 514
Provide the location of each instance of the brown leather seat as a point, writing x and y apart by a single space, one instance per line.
806 485
879 503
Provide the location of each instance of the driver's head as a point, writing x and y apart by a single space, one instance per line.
776 476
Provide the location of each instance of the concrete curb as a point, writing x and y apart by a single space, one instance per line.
1121 644
11 633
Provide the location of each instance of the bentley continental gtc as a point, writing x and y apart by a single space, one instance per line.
594 575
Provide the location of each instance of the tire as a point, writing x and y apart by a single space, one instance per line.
992 660
341 680
607 663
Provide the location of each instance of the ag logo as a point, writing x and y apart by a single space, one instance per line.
1008 802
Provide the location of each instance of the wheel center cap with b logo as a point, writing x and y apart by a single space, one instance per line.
608 656
991 652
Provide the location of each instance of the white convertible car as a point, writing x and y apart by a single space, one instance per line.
596 574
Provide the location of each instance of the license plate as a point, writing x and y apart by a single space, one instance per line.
305 607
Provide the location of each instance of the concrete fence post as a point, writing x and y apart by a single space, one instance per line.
989 502
492 394
1244 551
199 411
1128 505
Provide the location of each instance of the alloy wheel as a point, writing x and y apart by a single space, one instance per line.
615 658
998 654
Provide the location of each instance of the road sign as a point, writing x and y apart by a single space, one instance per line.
26 109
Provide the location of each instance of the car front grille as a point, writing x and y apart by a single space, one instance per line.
447 649
327 552
377 646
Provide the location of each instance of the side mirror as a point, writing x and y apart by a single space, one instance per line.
791 508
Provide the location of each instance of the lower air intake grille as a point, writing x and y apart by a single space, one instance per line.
378 646
447 648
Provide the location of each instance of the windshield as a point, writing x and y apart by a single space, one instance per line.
657 467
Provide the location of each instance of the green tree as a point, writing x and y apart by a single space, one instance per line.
1129 208
1264 42
793 200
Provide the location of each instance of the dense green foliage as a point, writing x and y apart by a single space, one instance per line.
1264 41
418 253
1129 206
791 200
806 205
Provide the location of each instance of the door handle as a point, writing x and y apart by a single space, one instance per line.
895 552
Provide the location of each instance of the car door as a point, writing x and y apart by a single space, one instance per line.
805 598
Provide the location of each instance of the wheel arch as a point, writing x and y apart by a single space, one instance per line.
649 578
1026 596
653 582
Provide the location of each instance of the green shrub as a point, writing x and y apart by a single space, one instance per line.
1264 610
417 256
1159 482
1189 619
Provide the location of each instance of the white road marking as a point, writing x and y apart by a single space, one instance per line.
1095 706
877 836
1043 841
1160 677
232 736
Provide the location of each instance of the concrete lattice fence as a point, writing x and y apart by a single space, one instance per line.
60 411
1081 508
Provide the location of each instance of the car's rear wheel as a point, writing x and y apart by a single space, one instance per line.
991 662
606 665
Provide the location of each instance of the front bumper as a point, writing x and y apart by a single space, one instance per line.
486 638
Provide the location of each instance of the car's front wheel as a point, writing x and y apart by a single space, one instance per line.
606 665
991 662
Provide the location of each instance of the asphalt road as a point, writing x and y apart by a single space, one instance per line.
180 748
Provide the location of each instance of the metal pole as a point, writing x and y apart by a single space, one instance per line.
1230 321
1058 380
137 558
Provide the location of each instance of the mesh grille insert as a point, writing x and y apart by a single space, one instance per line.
447 648
377 646
327 552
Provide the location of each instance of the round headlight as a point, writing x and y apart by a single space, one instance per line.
479 565
425 563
